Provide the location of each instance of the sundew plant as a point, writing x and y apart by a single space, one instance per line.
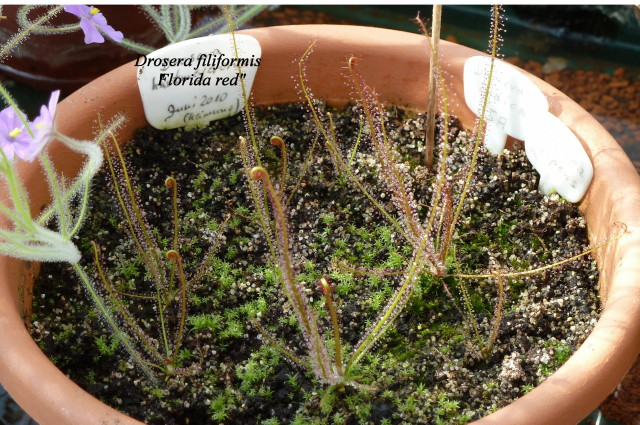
165 268
430 239
429 230
49 237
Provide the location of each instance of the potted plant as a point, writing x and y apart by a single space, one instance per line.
393 63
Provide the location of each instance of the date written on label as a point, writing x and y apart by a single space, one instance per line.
556 153
512 98
199 110
197 81
516 107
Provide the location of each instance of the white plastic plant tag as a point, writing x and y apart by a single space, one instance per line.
512 98
196 81
557 154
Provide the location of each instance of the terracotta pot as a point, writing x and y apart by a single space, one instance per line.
395 64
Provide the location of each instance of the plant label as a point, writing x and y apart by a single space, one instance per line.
512 99
557 154
197 81
516 107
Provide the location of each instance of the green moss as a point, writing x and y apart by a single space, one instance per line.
65 334
219 407
205 321
561 353
364 264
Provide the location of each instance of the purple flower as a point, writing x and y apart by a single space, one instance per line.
15 139
90 21
43 125
13 136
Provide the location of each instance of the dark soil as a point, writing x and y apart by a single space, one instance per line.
424 370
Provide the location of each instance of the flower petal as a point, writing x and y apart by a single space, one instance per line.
80 10
25 148
91 33
53 103
116 36
101 22
42 127
7 148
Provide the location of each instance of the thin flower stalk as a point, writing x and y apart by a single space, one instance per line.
441 181
26 30
248 116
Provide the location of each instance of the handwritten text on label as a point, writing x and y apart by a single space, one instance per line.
197 81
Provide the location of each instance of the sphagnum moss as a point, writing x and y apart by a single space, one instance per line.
422 370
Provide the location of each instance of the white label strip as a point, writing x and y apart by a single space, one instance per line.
556 153
516 107
197 81
512 97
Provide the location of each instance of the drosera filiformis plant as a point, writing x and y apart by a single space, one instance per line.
348 242
374 291
428 228
158 266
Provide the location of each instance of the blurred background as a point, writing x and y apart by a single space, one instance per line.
591 53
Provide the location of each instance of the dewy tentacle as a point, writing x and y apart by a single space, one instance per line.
319 357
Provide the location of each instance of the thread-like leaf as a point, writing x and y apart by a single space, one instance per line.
297 298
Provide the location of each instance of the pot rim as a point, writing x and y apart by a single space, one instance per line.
565 397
